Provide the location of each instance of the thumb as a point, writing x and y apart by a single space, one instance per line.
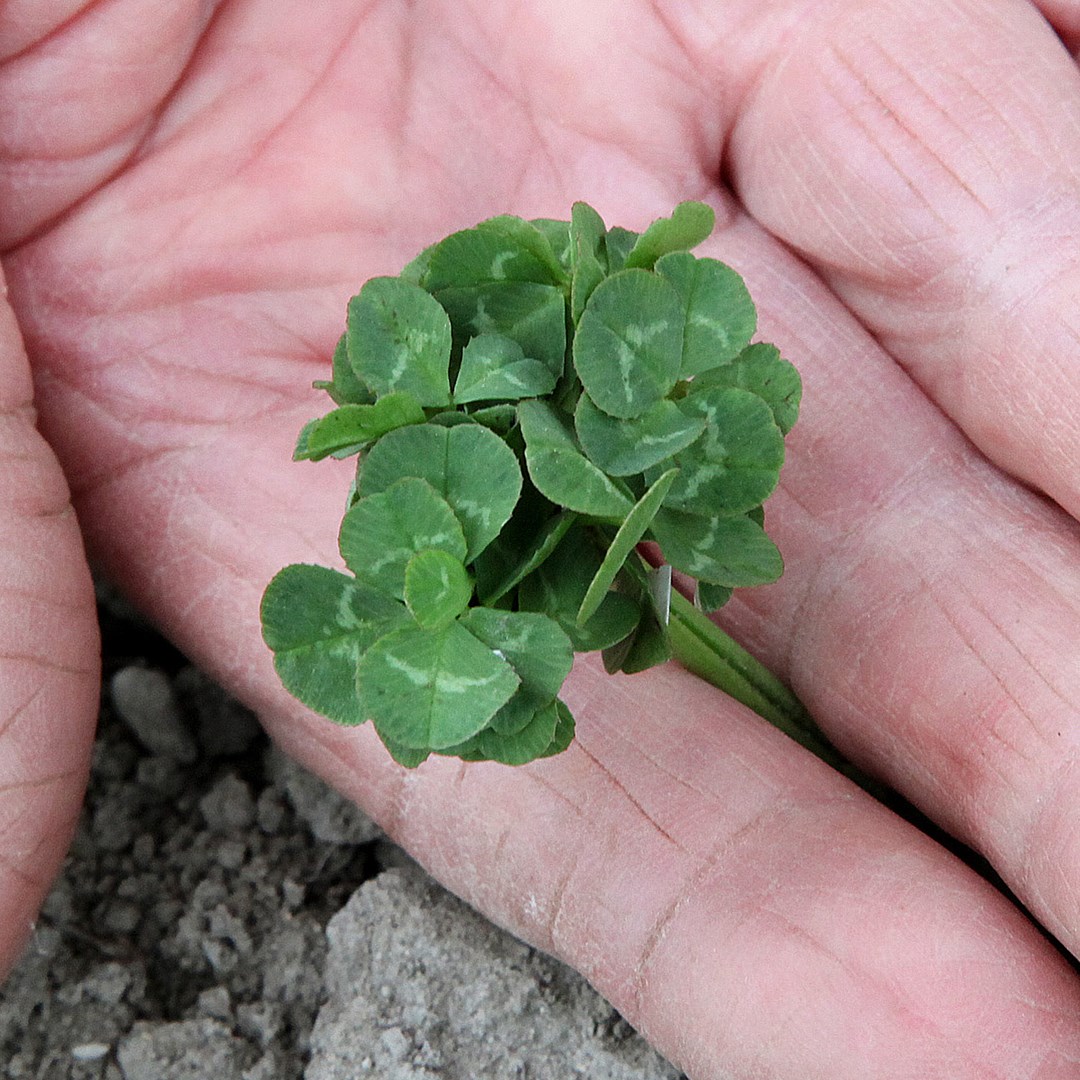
49 654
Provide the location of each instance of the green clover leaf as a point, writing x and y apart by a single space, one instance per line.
719 315
319 623
735 464
618 243
498 250
557 234
529 313
468 465
558 588
588 256
628 345
512 571
560 471
399 340
494 368
538 651
711 597
731 551
526 743
689 224
646 646
623 543
380 533
430 689
350 428
625 447
760 369
437 588
344 387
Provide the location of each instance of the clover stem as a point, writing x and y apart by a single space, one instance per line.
703 648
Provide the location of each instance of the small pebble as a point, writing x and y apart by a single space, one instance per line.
261 1021
328 814
121 918
216 1004
228 805
112 827
143 849
145 701
292 894
270 812
107 983
231 854
161 777
90 1051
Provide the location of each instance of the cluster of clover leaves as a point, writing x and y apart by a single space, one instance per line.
529 402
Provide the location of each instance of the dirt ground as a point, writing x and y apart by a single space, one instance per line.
225 916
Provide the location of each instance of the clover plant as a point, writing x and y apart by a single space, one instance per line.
529 401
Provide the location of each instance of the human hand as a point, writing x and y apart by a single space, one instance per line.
187 210
49 663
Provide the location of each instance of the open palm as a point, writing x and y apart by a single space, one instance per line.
187 201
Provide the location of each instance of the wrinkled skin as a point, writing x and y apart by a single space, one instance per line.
189 193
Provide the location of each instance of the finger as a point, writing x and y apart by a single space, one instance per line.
1064 16
64 128
49 666
935 633
924 160
929 606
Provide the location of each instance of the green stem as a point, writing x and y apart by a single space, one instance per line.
703 648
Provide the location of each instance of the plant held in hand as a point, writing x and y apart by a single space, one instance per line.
529 401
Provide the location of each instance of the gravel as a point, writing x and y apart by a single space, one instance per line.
223 915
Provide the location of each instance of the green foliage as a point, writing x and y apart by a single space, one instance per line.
320 623
398 339
474 470
763 371
537 650
735 464
427 689
628 346
437 588
718 314
560 471
690 223
625 447
528 402
350 428
495 368
623 543
380 534
531 314
558 588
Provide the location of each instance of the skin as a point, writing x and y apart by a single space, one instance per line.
185 211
